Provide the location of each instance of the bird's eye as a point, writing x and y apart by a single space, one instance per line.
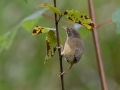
68 30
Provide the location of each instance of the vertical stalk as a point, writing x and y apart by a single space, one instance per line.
59 50
97 48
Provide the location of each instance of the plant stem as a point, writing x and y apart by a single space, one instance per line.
59 49
61 20
97 47
104 23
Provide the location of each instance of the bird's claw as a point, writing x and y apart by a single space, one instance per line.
58 47
62 73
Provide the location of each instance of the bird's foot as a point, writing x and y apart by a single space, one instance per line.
58 47
62 73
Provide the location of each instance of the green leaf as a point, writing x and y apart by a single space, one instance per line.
79 18
39 29
51 44
116 19
7 39
28 25
51 7
29 22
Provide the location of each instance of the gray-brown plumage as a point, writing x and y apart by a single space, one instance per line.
74 46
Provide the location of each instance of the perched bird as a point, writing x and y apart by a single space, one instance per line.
74 46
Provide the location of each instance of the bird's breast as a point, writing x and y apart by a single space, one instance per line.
68 53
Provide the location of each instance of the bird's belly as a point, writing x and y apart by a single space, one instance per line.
67 53
69 57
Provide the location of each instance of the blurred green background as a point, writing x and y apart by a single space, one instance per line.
21 64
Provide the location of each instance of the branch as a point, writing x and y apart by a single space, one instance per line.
97 48
59 49
61 20
104 23
71 23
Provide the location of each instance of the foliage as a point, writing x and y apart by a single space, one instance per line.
7 38
51 7
39 29
51 42
21 66
27 23
79 18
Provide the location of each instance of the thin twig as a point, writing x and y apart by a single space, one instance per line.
59 49
61 20
71 24
97 47
104 23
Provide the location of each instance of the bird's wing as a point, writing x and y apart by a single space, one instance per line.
77 55
77 48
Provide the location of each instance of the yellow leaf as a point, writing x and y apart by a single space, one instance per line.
51 7
51 42
39 29
79 18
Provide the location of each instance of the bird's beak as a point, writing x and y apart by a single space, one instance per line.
64 27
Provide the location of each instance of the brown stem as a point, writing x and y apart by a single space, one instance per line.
71 24
104 23
97 48
59 49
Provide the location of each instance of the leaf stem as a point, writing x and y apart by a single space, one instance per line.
59 18
97 48
59 49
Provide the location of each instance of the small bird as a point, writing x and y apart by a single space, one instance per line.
74 47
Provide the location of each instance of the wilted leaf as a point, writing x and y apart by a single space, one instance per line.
39 29
79 18
51 7
116 19
51 44
51 41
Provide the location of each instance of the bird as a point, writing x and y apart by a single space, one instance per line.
73 48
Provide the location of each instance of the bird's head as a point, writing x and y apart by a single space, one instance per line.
71 32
